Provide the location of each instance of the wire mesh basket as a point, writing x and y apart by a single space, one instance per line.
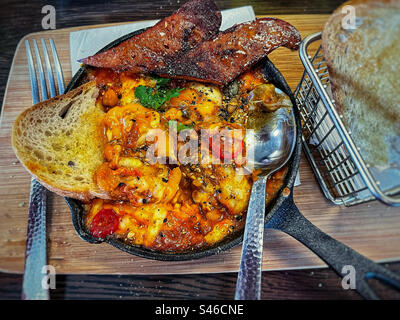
343 175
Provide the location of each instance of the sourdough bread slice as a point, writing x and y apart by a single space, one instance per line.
59 141
364 71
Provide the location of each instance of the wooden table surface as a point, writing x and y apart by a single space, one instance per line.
17 18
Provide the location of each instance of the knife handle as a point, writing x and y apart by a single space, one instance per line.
35 254
248 285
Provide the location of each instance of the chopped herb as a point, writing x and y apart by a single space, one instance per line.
179 126
162 82
155 98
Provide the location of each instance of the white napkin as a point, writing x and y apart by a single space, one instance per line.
87 42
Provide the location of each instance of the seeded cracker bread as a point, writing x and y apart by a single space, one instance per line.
364 70
192 23
60 143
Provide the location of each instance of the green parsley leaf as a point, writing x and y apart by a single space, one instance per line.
162 83
144 94
151 98
179 126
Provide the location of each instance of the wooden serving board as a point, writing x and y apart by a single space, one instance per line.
372 229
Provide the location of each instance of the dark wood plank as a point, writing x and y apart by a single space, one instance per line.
321 284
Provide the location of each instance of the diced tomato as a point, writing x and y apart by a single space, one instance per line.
124 172
104 223
217 147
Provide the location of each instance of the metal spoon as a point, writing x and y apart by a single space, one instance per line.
270 142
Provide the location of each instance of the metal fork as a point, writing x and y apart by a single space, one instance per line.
34 285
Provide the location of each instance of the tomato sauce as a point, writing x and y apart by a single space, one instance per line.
172 205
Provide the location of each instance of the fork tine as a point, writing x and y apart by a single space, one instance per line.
49 70
40 71
57 65
32 74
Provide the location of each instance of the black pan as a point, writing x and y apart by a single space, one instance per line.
282 214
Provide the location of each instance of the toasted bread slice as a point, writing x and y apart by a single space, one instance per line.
59 141
232 52
364 71
194 22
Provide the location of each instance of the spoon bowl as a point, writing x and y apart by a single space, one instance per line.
272 138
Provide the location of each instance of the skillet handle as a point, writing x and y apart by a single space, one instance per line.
345 261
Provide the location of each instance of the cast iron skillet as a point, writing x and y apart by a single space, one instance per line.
282 214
